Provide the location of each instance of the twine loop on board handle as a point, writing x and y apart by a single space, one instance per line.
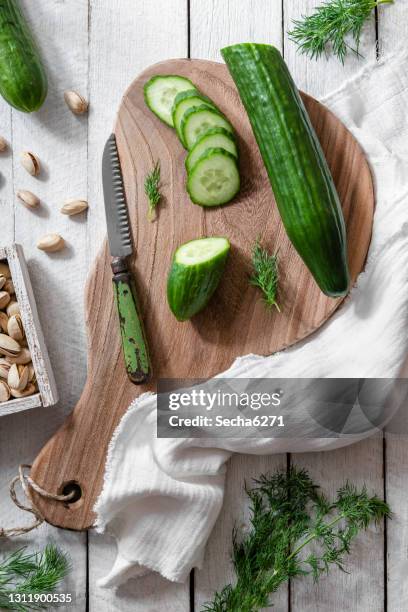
27 482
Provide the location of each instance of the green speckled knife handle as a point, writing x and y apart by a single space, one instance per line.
134 342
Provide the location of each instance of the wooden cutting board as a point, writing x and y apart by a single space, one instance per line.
236 322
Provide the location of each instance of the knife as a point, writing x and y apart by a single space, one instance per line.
134 343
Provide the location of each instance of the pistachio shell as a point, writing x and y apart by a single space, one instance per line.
9 287
4 368
28 198
31 374
4 269
15 328
3 144
18 377
13 308
4 391
23 358
29 390
8 346
13 378
75 102
24 372
4 299
3 281
51 243
31 163
3 322
74 207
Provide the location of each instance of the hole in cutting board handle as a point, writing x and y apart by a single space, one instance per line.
74 487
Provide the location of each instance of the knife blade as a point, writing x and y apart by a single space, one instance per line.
133 336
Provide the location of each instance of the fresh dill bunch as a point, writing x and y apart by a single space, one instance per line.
30 574
330 24
152 190
289 515
265 274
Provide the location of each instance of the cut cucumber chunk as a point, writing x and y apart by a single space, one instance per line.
214 179
195 273
214 138
197 121
183 102
160 93
201 250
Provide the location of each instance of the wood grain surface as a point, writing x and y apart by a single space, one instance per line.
236 322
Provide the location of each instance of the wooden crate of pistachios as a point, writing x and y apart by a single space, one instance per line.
26 378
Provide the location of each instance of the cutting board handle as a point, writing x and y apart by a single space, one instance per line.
74 458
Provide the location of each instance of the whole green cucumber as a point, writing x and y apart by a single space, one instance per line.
23 81
300 177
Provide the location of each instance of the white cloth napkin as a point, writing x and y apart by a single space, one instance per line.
162 497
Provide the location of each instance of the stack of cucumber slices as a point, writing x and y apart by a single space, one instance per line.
212 161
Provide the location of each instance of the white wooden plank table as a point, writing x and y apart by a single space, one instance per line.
97 47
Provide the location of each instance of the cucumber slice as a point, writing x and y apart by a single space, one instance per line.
195 273
214 179
213 139
183 102
197 121
160 93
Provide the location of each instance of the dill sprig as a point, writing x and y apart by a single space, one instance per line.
152 190
30 574
330 25
266 274
289 516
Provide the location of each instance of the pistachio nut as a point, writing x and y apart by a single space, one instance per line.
4 368
13 308
23 357
15 328
4 270
28 198
31 163
4 299
3 144
3 322
75 102
4 391
29 390
31 374
8 346
51 243
74 207
9 287
18 377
